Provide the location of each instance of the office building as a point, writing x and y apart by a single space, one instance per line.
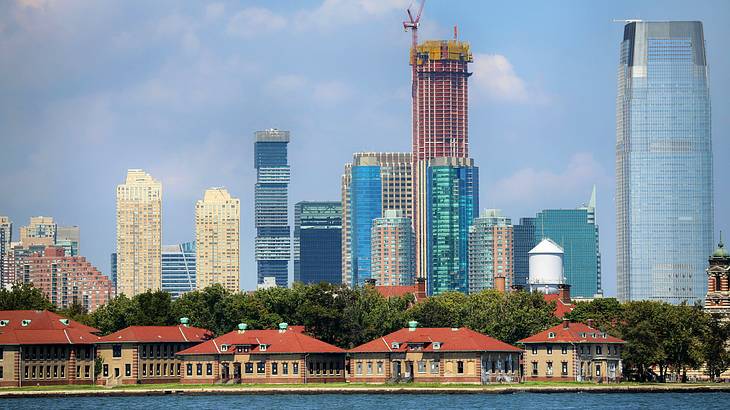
393 247
523 242
69 238
178 269
139 233
664 182
217 240
318 242
490 251
6 238
452 190
373 183
273 242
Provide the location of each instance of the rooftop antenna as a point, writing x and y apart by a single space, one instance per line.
456 32
412 24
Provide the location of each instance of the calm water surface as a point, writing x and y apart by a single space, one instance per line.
563 401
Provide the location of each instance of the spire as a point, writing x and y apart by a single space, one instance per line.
721 252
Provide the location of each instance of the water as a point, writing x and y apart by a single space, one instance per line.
563 401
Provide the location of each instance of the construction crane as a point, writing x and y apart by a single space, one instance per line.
412 24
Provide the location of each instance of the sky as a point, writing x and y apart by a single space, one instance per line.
89 89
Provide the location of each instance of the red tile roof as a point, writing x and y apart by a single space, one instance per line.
573 333
288 341
44 328
561 308
152 334
452 340
393 291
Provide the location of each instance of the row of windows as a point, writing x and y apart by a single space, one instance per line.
587 349
54 352
563 369
37 372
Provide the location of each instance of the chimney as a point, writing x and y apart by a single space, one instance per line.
566 323
370 282
242 327
590 323
564 293
420 289
500 283
184 321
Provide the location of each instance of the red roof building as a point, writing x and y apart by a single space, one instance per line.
146 354
44 348
563 303
441 355
263 356
418 290
573 351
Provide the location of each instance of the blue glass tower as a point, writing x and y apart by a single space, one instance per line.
318 242
365 205
664 187
273 242
523 242
452 203
178 269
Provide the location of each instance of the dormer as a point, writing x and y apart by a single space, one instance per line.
4 322
395 345
436 345
64 321
551 335
262 347
25 322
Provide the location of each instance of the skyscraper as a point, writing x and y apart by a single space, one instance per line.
273 241
393 250
6 237
69 238
178 269
218 240
40 231
317 242
576 231
664 187
139 233
452 190
373 182
490 250
523 241
440 121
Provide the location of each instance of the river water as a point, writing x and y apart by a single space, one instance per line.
562 401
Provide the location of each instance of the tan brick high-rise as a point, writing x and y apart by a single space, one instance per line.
217 240
139 233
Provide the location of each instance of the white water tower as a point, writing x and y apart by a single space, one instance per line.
546 267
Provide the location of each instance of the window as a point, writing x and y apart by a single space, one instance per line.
564 349
421 366
199 369
117 351
274 368
144 370
285 368
534 349
249 368
435 367
63 371
599 350
55 371
177 369
105 370
157 370
172 369
370 367
549 371
1 373
358 368
564 368
534 368
128 369
190 369
380 367
295 368
143 350
26 372
164 369
78 371
116 372
460 367
581 349
48 372
261 367
598 370
549 349
209 369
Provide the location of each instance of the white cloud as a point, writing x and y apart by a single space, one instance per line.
333 13
331 92
535 186
253 21
495 76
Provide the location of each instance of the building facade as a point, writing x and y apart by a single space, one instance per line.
452 190
664 183
285 355
523 242
576 231
6 238
66 280
318 242
490 251
572 352
393 249
179 269
69 238
139 234
717 299
440 122
271 214
373 183
434 355
40 231
218 240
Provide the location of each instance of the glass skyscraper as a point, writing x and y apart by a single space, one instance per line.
452 193
273 242
365 205
317 242
523 242
664 187
178 269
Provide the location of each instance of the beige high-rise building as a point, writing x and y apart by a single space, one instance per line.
139 233
217 240
41 231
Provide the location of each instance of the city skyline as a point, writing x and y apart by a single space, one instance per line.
570 172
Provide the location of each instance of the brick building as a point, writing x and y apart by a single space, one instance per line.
572 352
40 348
146 354
285 355
434 355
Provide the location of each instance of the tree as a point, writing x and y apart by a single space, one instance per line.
445 310
715 352
205 308
605 312
115 315
24 296
153 309
76 312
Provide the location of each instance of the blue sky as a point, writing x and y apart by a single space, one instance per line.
89 89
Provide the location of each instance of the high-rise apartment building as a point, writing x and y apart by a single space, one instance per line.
178 269
452 190
41 231
440 122
217 240
664 186
373 183
490 251
576 231
273 241
393 250
318 242
523 241
139 233
6 238
69 238
113 269
66 280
